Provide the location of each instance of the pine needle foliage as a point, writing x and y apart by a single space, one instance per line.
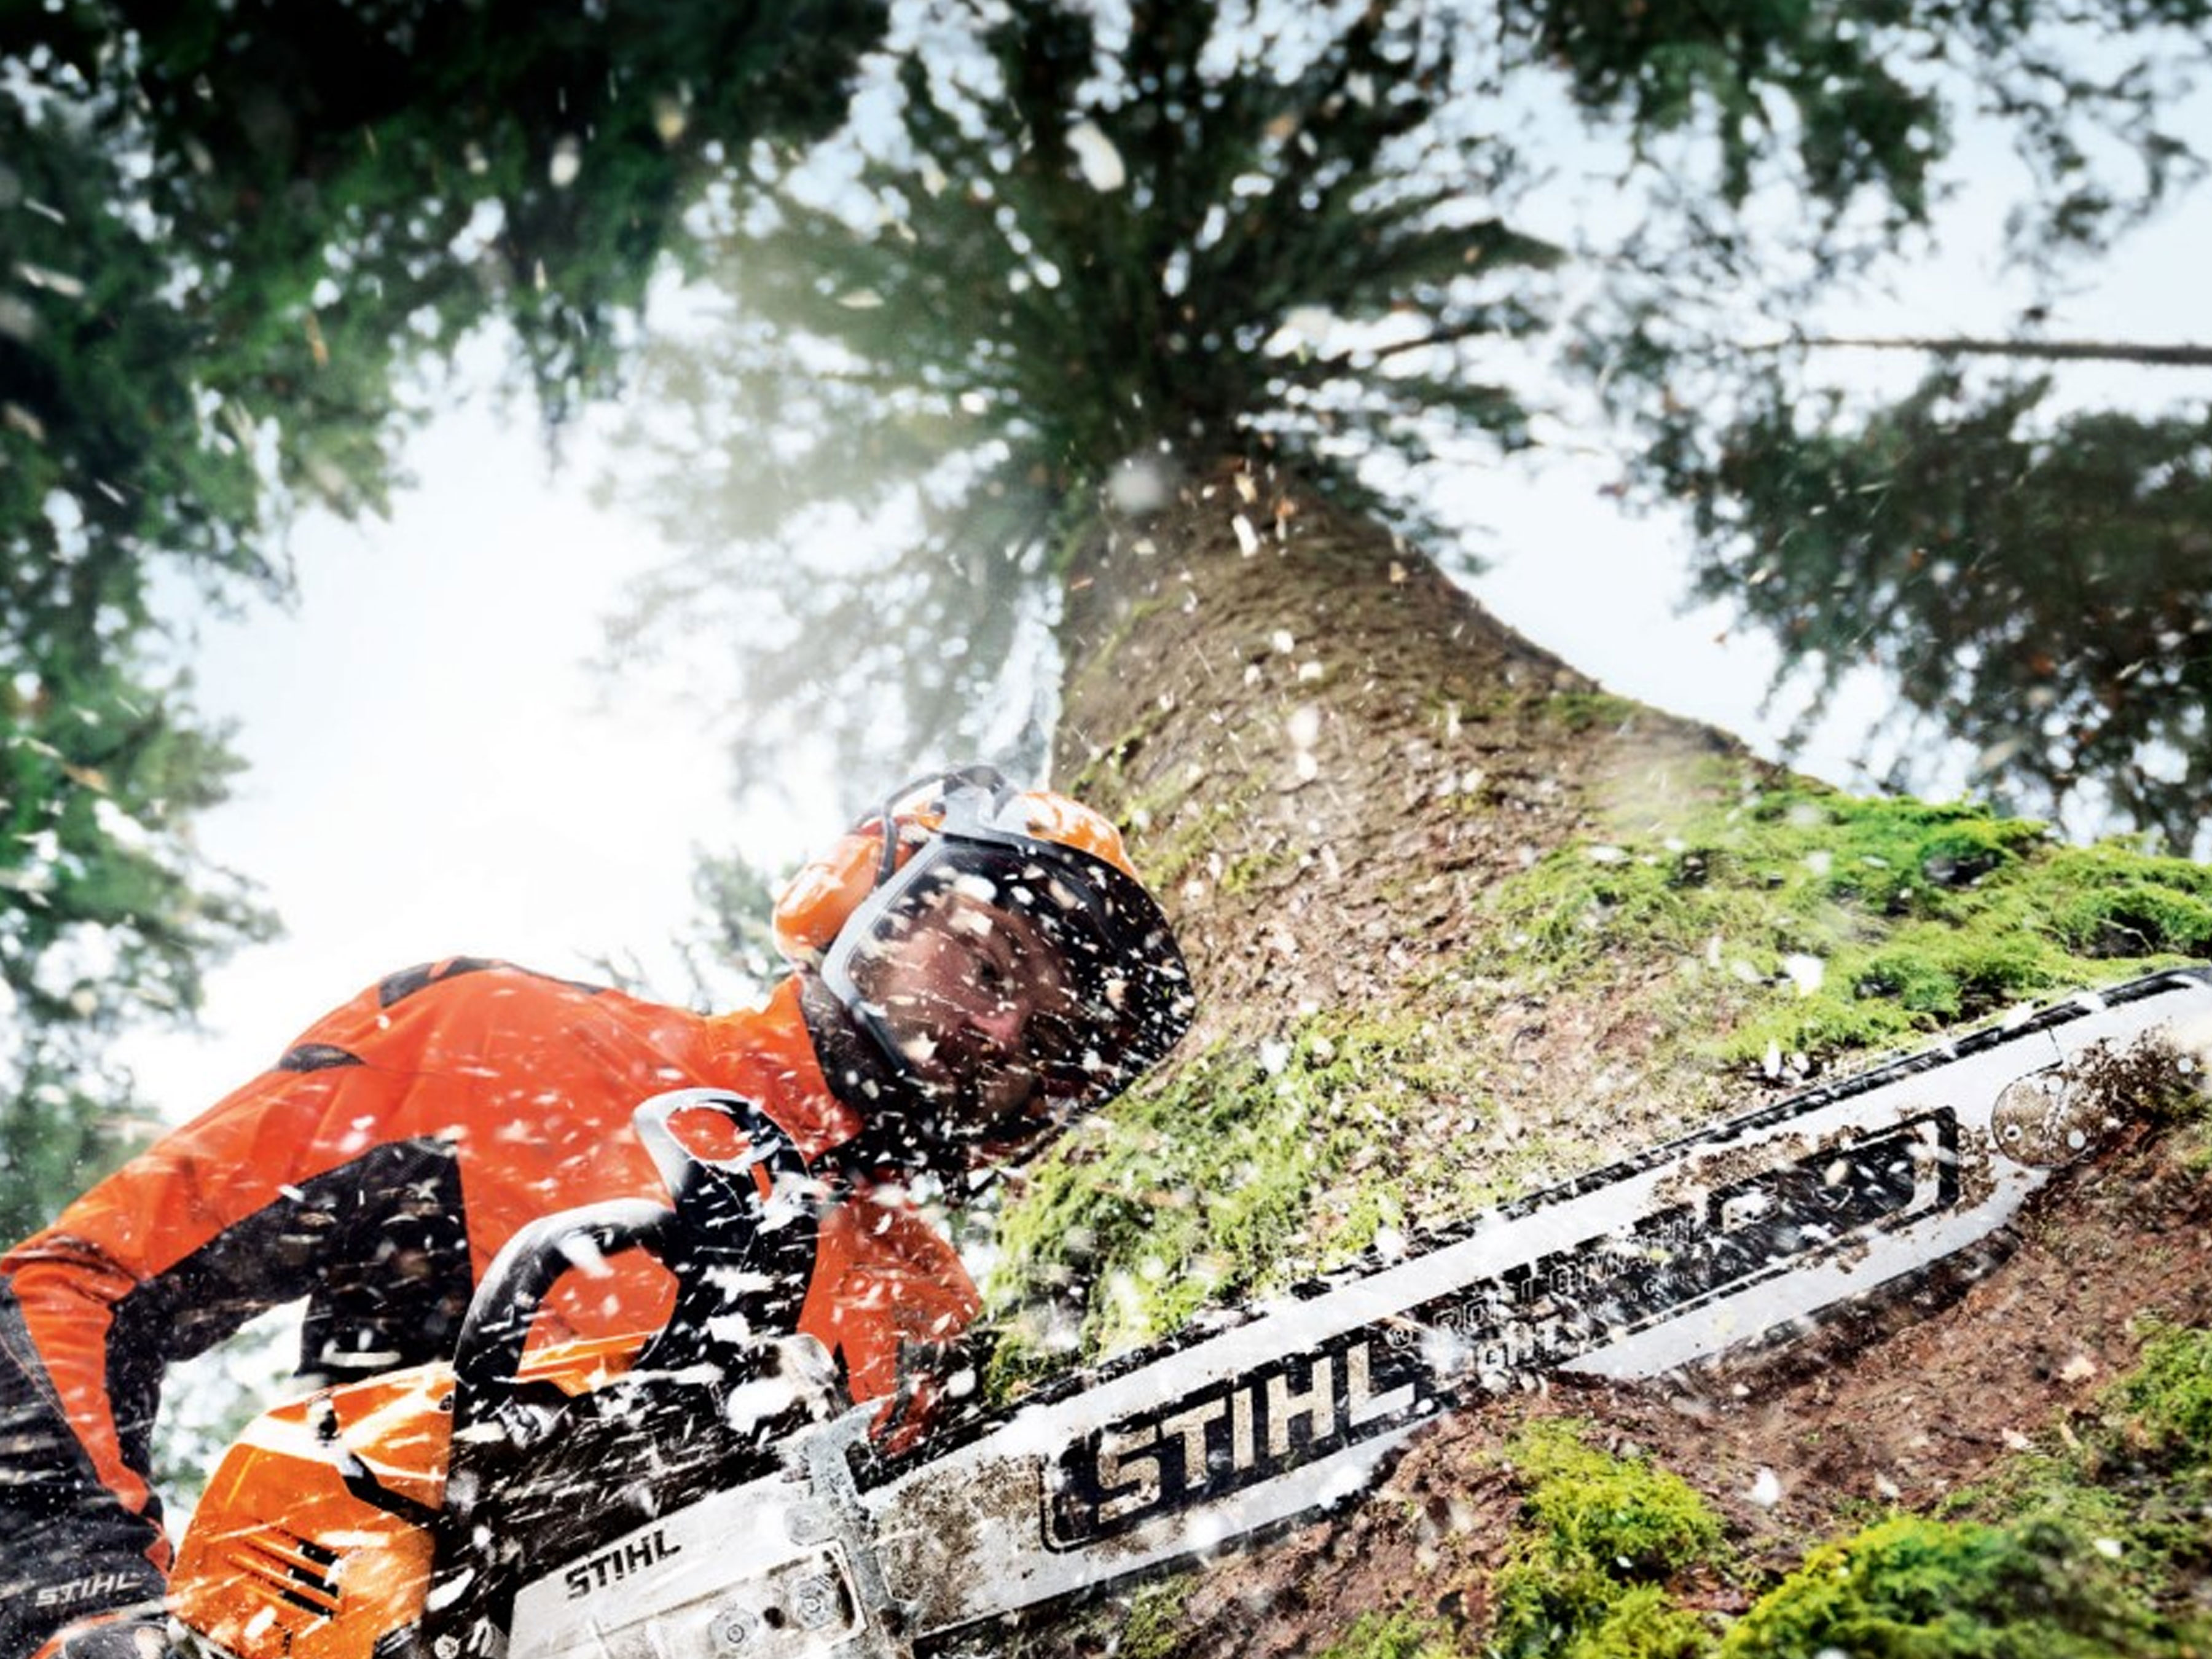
234 236
1055 240
2039 583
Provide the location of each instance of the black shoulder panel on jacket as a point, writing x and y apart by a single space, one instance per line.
396 987
317 1057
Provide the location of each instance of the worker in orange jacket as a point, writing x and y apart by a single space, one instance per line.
972 965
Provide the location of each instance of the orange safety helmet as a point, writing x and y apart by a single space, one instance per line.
1055 873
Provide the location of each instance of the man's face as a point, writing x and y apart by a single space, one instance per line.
978 1000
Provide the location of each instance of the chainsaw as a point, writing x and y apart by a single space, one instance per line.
709 1499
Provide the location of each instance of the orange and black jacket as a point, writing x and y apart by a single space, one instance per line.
375 1172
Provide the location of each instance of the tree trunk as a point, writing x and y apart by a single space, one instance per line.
1462 923
1331 758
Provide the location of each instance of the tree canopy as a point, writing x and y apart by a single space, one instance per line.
1043 240
1051 240
2037 583
237 238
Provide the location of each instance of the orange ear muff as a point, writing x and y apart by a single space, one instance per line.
828 889
819 900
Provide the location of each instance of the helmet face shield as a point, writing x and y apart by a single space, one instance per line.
1010 982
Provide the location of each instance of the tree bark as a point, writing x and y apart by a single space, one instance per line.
1328 755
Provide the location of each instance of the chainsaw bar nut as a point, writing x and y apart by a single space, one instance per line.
733 1630
816 1602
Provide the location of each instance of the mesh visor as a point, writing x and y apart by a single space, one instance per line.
1012 982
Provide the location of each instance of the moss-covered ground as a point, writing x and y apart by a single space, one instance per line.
1601 1539
1393 1636
1601 1545
2096 1545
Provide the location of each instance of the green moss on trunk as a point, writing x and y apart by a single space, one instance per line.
1804 923
1250 1169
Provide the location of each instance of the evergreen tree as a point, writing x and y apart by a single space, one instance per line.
1061 239
1142 319
235 237
2038 584
108 915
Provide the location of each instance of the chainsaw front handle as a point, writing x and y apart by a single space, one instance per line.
488 1357
739 1238
747 1220
688 1171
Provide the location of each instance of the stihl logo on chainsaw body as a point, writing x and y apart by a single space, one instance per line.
596 1572
1280 1413
109 1584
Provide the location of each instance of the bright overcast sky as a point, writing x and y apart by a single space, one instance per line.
434 769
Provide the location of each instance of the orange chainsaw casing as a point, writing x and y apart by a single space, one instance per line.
284 1560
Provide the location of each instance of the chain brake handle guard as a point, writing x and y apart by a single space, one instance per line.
742 1257
742 1241
733 1250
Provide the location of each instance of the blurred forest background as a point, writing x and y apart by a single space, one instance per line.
884 296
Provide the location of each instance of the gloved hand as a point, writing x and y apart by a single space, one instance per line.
138 1632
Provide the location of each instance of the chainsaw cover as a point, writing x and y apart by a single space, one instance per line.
313 1540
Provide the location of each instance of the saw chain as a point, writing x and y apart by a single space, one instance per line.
1746 1231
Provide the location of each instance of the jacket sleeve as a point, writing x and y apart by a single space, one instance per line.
283 1190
